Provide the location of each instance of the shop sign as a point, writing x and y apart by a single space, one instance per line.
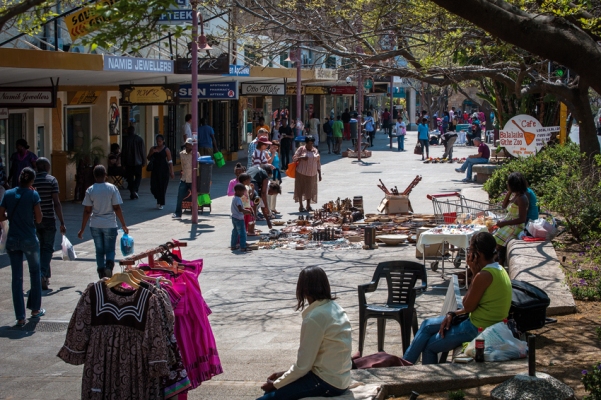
133 64
211 91
24 97
84 97
398 92
316 90
343 90
524 135
148 95
326 74
172 16
263 89
291 90
79 23
3 113
206 66
368 84
239 70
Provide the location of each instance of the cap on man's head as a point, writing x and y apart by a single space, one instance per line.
189 141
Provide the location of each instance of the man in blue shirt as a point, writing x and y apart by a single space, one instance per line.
206 139
423 134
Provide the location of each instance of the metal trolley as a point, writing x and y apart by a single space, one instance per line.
453 208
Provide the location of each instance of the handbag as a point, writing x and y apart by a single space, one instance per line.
150 165
291 170
418 149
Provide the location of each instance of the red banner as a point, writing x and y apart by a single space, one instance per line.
343 90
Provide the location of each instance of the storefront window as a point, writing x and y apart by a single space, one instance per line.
78 135
16 130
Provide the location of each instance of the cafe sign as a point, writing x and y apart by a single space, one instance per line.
148 95
263 89
524 135
25 97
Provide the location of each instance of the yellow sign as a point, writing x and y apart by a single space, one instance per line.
79 23
291 90
316 90
84 97
160 95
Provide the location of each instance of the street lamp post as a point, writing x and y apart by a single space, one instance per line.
296 57
359 115
196 43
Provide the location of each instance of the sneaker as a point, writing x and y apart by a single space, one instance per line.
459 170
160 207
466 180
175 216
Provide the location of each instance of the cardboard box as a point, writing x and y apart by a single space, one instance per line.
431 250
394 204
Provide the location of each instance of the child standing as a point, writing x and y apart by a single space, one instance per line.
238 214
249 221
238 169
401 131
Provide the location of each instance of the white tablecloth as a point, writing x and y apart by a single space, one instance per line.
461 240
461 137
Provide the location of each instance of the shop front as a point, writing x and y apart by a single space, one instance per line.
260 100
340 98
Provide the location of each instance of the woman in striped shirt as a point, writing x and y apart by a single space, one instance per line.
308 169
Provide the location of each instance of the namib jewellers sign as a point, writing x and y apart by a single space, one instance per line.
524 136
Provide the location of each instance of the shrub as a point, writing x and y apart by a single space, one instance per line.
592 382
456 395
536 169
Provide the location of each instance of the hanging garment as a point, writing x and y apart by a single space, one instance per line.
118 336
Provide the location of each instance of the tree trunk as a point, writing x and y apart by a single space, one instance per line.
589 144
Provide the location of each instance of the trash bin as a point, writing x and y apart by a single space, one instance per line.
354 128
205 173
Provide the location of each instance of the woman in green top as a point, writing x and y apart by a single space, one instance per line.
487 302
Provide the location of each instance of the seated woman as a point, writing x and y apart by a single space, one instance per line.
114 161
516 202
323 364
487 302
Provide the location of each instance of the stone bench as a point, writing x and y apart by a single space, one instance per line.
484 171
537 264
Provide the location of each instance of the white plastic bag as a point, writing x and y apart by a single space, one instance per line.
499 344
68 250
3 236
541 228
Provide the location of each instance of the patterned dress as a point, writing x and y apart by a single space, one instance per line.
504 234
120 339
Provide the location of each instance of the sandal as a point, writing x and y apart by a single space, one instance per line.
21 323
41 313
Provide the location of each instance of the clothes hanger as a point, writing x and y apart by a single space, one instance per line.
141 276
122 277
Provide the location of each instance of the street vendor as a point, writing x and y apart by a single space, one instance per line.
486 303
516 202
308 171
259 177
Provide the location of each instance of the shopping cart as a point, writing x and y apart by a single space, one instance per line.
453 208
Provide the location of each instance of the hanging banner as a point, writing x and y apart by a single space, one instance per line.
211 91
148 95
316 90
206 66
24 97
263 89
524 135
3 113
78 23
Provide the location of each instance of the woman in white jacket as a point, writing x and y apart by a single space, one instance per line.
323 364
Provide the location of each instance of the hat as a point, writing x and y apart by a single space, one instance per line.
189 141
22 143
309 138
263 140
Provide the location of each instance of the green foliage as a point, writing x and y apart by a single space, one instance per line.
89 153
456 395
536 169
585 284
598 332
592 382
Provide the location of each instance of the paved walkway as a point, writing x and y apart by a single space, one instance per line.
252 296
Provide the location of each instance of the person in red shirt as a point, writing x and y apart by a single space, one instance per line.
386 122
480 158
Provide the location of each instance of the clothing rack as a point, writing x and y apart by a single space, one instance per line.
131 260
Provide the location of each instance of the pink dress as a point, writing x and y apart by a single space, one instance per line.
230 187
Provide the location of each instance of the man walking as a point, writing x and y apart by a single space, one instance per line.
47 187
206 139
133 156
185 184
337 128
286 138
